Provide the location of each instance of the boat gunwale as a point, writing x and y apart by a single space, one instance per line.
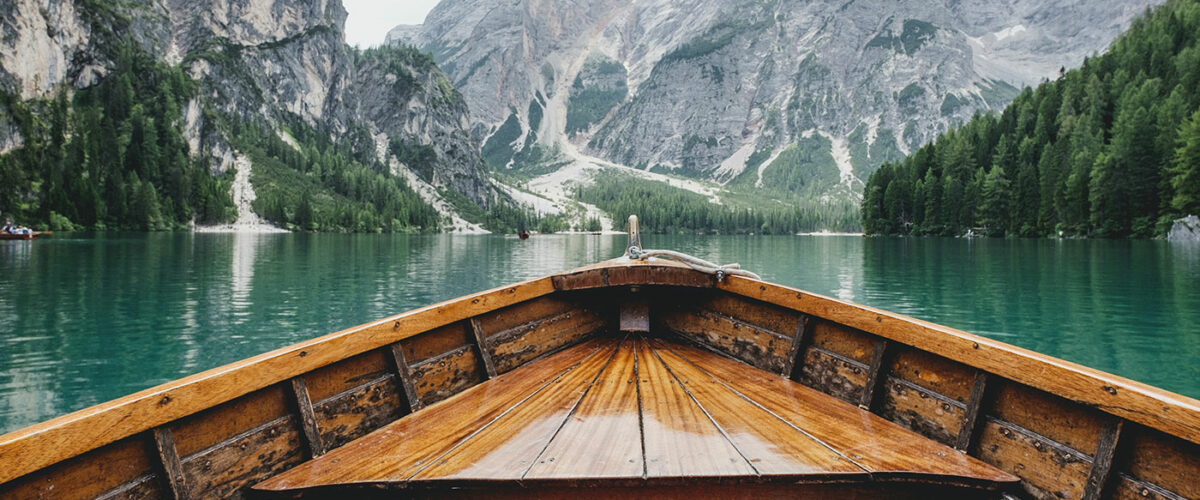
42 445
1160 409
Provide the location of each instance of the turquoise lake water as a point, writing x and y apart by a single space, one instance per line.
84 319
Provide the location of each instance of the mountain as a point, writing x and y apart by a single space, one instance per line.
135 114
1111 149
793 99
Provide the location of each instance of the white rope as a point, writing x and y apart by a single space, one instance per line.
696 263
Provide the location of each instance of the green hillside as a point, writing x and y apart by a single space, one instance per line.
1108 150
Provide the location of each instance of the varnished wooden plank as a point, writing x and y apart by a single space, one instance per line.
602 438
400 449
1146 450
970 426
758 347
779 320
195 433
355 413
1102 462
1172 413
632 273
1130 488
772 446
484 352
405 376
876 375
168 456
446 375
799 343
436 342
876 444
257 454
680 439
131 464
509 446
1047 469
346 375
833 374
512 348
1066 422
927 413
308 420
49 442
935 373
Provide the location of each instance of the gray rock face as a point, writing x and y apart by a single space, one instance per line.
714 83
1186 229
275 60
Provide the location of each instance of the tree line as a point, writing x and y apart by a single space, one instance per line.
666 209
1107 150
112 156
317 184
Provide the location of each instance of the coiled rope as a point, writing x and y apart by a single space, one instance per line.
635 252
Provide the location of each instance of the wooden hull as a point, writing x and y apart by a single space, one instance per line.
19 237
1066 431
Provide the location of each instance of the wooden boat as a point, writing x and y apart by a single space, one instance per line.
633 378
25 237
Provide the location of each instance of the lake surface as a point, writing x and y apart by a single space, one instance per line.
85 319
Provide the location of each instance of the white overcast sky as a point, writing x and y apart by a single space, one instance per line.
370 20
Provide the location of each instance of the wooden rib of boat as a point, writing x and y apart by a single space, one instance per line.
634 379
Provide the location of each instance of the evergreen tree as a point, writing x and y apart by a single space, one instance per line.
1106 150
1185 169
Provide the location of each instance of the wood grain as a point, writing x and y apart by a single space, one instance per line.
1173 413
969 430
680 439
601 439
508 446
402 448
1157 458
925 412
481 347
400 365
756 346
1098 479
935 373
1046 469
519 315
878 445
222 470
510 350
40 445
778 320
1073 425
308 420
172 469
833 374
772 446
359 411
346 375
119 465
438 378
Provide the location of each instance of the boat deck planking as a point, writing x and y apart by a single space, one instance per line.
641 412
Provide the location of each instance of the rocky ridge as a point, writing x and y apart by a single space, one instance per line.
270 61
732 92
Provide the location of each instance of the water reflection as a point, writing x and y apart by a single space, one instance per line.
85 319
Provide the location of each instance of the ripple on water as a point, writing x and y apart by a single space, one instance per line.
123 312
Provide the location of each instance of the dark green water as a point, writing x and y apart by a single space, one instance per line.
84 320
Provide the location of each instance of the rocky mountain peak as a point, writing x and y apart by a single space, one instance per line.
721 90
